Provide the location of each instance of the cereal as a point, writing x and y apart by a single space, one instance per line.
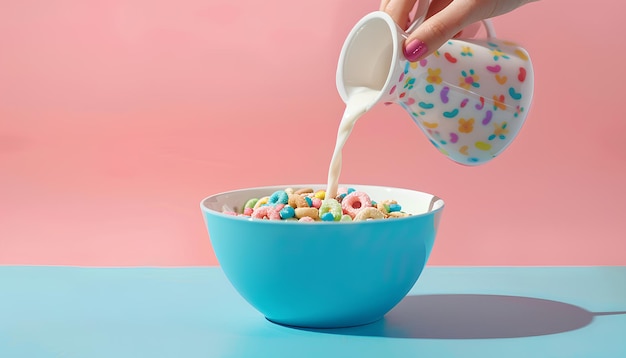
250 203
332 207
304 191
266 212
278 197
309 205
261 202
354 202
287 212
313 213
369 213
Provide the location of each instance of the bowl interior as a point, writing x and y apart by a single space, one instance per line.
413 202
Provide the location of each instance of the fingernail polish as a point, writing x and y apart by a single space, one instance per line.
415 49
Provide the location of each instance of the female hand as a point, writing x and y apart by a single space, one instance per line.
444 19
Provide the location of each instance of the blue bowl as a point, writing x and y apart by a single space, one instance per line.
323 274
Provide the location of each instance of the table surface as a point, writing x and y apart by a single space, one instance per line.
194 312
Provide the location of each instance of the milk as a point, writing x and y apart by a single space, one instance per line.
360 99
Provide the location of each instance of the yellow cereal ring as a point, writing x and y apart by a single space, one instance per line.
264 200
369 213
313 213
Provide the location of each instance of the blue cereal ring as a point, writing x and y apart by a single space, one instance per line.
287 212
279 197
333 207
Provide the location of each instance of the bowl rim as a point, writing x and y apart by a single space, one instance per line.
432 210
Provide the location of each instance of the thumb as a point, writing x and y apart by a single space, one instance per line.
439 28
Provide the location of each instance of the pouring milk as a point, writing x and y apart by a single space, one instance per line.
359 100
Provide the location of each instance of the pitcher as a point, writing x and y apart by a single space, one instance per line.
470 97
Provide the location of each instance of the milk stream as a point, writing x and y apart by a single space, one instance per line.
359 100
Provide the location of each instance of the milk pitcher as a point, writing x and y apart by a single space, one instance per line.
470 97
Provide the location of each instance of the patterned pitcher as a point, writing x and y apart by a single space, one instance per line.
470 97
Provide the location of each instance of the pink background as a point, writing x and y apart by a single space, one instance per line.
117 117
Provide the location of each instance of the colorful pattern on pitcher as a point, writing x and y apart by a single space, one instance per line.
470 98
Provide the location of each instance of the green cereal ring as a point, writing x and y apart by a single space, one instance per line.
251 203
264 200
331 206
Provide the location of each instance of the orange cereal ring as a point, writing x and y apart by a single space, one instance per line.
313 213
369 213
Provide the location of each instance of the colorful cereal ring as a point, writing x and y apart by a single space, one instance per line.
287 212
333 207
266 212
278 197
369 213
310 212
354 202
261 202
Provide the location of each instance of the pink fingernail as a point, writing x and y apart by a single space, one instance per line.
415 49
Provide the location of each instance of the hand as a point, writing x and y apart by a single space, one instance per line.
444 20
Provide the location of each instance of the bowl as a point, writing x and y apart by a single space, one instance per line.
323 274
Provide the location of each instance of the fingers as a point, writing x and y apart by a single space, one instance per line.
399 10
445 18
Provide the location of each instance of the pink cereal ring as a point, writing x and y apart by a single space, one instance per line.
266 212
354 202
317 202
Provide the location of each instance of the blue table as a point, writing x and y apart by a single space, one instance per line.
194 312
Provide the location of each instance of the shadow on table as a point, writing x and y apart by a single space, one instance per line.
469 316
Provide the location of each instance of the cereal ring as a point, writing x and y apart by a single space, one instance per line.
316 202
331 206
297 201
303 191
398 214
261 202
369 213
346 217
310 212
287 212
385 206
266 212
354 202
278 197
250 203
